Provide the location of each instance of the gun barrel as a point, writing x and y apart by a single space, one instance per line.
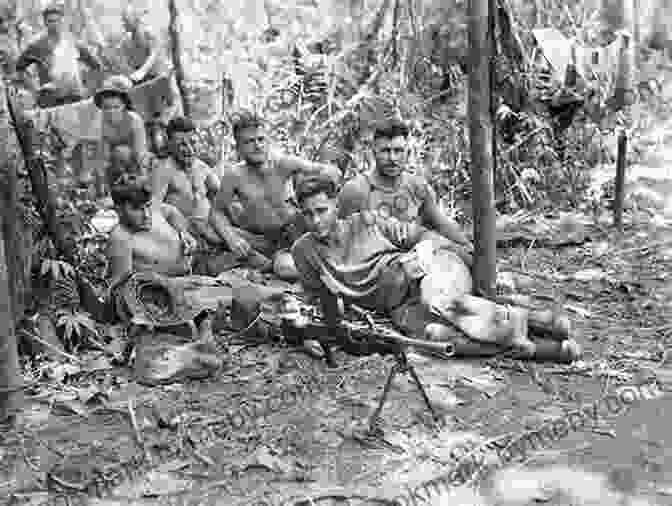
422 344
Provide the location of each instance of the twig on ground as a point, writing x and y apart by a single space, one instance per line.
199 456
68 484
635 249
138 431
523 260
545 277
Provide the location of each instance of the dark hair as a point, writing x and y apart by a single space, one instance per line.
314 185
180 124
246 120
390 130
132 189
54 8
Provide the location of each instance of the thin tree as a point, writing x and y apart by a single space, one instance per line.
11 395
481 15
176 54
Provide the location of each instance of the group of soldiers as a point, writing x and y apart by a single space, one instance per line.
49 66
346 242
355 241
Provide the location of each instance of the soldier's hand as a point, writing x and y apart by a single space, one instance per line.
136 77
190 243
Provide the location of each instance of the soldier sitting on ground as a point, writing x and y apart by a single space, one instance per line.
253 211
389 190
186 182
151 235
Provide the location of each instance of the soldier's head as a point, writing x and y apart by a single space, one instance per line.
390 141
249 132
317 197
132 18
180 132
54 18
122 156
132 197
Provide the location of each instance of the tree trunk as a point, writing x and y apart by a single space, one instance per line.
10 268
481 73
11 395
626 78
26 135
176 54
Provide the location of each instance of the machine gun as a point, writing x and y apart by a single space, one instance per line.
362 339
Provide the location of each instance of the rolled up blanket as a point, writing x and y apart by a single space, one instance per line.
160 301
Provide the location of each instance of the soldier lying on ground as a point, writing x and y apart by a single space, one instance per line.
390 191
377 263
56 55
253 211
186 182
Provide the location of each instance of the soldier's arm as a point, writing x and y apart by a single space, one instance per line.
119 256
175 218
27 58
139 135
211 182
219 215
296 166
402 234
90 59
436 219
155 53
353 197
407 235
311 281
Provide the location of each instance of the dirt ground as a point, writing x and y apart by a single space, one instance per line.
90 435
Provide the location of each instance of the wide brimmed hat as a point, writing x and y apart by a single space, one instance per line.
116 86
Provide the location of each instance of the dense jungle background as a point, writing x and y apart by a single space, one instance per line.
322 73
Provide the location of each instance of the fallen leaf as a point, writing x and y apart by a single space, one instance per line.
263 457
484 383
160 484
91 394
590 275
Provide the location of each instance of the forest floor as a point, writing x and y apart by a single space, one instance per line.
90 422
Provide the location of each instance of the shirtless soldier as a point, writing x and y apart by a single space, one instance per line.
151 235
56 55
186 182
388 190
253 211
